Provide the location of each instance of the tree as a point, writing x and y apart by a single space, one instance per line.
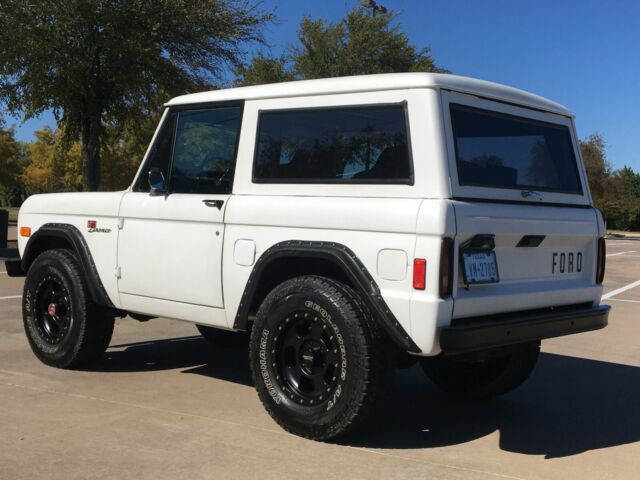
599 174
627 191
54 164
125 146
359 44
9 156
264 69
598 168
615 193
98 61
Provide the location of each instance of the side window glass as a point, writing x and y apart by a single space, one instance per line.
205 150
362 144
160 155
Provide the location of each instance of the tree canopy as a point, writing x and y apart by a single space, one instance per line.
615 193
9 156
359 44
97 61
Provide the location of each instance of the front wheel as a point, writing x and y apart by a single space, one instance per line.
64 328
480 376
320 364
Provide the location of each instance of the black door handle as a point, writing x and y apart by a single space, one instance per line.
214 203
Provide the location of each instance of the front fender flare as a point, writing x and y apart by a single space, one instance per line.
71 235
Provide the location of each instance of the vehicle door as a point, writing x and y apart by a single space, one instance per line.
172 230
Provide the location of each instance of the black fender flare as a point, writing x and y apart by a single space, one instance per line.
71 235
350 265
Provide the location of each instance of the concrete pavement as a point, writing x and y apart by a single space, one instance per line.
164 404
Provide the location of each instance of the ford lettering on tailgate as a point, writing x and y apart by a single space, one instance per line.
566 262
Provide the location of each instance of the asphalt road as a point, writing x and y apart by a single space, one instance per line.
163 404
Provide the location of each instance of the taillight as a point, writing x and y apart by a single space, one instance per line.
419 273
602 260
446 268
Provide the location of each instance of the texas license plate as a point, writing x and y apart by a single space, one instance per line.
480 267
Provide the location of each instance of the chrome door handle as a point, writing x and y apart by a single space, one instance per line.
214 203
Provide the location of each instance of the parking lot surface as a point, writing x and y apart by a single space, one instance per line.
165 404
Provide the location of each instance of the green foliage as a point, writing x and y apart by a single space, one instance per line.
262 70
615 193
13 157
359 44
96 61
10 153
124 148
54 164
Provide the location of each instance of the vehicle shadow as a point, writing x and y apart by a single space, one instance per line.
194 354
569 405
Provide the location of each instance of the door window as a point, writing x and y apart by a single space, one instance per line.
204 151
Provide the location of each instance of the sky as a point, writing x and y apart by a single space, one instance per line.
583 54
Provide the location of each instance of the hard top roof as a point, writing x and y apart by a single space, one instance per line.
371 83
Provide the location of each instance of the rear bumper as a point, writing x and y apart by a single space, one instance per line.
481 335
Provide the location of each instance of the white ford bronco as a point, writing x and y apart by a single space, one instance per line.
351 225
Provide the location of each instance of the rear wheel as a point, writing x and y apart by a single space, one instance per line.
483 375
64 328
320 364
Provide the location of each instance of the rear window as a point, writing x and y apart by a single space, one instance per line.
333 145
505 151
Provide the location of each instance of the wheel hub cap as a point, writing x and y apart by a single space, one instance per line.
311 357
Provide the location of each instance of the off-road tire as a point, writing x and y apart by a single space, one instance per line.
334 313
85 334
474 377
219 337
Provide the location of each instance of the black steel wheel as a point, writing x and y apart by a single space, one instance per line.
64 328
54 310
308 359
320 363
483 375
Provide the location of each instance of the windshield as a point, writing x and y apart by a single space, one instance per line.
505 151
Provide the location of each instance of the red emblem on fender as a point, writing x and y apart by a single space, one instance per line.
91 224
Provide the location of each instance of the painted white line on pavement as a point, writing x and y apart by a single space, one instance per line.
11 297
618 291
623 300
3 272
620 253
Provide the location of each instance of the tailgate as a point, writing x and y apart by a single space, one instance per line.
545 255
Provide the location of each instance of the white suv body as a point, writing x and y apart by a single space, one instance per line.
492 170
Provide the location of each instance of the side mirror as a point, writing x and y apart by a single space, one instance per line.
156 182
